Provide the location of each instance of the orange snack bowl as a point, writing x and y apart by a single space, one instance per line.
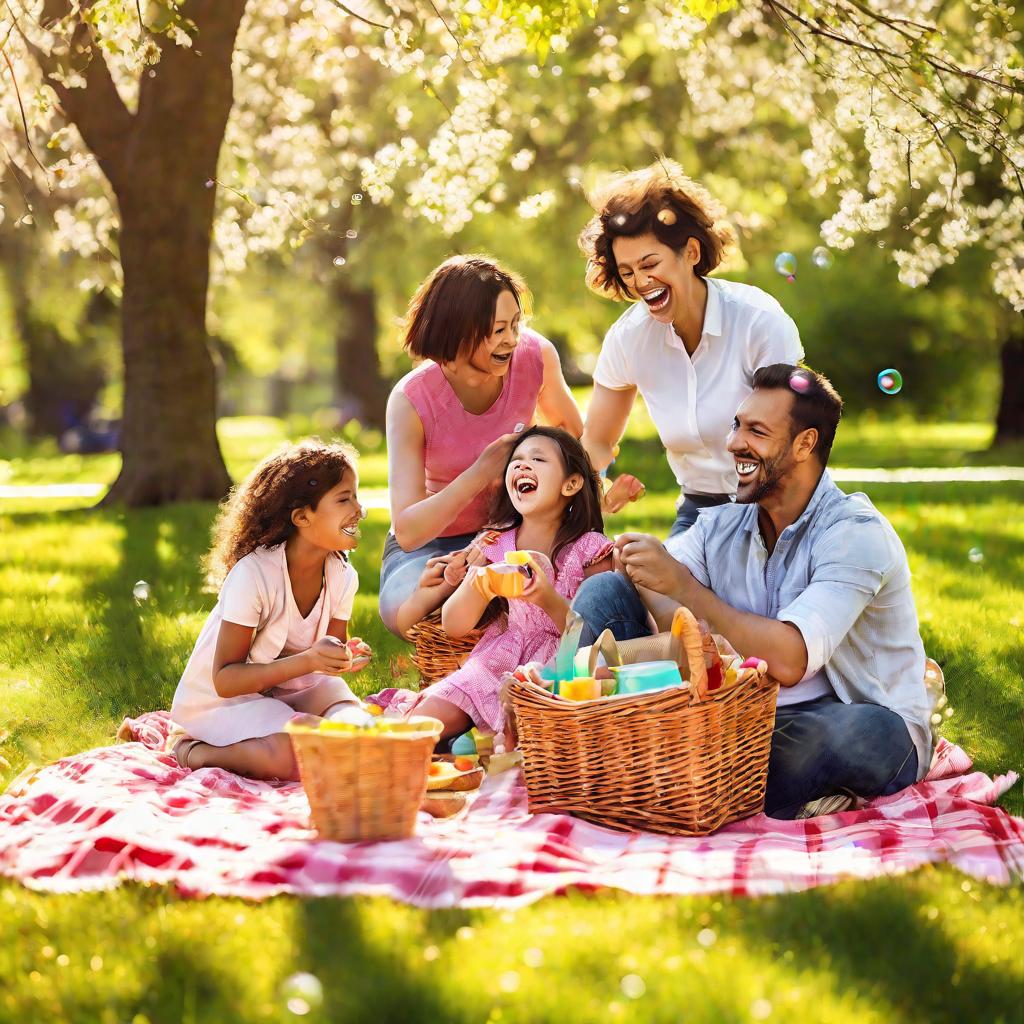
506 580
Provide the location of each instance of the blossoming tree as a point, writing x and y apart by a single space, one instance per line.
164 125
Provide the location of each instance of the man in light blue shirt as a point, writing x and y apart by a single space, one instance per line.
811 579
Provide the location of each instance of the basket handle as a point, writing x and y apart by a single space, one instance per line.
607 645
686 633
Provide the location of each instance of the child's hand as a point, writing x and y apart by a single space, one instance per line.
540 590
359 648
433 571
473 555
329 655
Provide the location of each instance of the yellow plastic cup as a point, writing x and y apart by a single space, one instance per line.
583 688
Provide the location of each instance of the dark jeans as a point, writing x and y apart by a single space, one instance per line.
688 510
819 747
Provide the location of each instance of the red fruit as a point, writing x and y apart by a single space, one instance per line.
435 768
464 764
715 676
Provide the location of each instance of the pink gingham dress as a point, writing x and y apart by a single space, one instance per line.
528 635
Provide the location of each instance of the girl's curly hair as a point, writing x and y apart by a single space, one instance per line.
658 200
257 513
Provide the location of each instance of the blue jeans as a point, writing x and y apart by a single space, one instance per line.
819 747
400 571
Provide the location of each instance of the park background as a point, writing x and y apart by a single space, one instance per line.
245 273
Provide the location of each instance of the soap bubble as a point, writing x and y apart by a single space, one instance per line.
556 70
339 261
141 592
357 198
822 257
976 555
302 992
785 264
706 937
351 233
633 986
509 981
890 381
799 382
210 182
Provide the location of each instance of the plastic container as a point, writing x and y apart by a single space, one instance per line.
646 676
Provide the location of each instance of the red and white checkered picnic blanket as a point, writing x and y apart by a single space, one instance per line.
128 812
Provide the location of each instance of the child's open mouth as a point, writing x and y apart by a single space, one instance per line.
524 485
657 299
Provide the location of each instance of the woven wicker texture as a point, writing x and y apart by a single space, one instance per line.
652 761
366 784
667 761
436 655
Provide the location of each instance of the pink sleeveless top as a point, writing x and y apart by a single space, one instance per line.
454 438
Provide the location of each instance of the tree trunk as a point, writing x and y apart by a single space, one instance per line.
168 434
361 391
1010 417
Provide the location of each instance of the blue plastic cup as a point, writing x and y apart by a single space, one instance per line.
646 676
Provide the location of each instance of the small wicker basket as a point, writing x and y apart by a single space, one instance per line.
663 761
365 784
436 654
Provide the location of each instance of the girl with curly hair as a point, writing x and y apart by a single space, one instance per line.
689 343
277 640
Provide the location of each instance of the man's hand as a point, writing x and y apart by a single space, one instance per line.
649 565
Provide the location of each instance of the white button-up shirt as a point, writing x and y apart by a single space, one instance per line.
693 399
840 575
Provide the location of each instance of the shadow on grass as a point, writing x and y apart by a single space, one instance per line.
878 940
368 980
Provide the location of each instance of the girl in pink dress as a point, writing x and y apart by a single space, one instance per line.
551 506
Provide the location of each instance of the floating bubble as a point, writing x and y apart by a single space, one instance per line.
464 934
357 198
890 381
141 592
633 986
936 719
152 74
339 261
976 555
667 216
947 713
574 182
799 382
822 257
556 70
351 233
302 992
785 264
533 957
706 937
619 220
210 182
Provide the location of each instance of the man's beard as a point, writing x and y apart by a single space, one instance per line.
770 480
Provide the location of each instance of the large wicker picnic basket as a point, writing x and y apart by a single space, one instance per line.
435 653
665 761
365 784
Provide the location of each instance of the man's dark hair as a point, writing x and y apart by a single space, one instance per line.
815 402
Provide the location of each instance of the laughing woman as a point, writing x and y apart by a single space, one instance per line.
452 424
689 344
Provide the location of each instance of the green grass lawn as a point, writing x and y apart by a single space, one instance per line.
77 653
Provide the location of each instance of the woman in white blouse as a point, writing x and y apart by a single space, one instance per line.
689 344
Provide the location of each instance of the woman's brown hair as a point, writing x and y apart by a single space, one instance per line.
583 514
658 200
258 512
453 309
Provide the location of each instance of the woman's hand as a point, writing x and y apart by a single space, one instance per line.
624 489
491 462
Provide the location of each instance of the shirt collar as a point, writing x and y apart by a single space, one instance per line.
713 310
826 485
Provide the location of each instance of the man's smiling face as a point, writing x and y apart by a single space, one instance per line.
761 444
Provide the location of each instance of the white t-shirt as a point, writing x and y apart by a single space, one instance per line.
257 592
693 399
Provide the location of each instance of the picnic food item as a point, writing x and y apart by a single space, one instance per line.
364 782
582 688
645 676
501 580
445 774
443 804
682 760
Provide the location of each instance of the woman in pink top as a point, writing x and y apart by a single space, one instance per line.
453 421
